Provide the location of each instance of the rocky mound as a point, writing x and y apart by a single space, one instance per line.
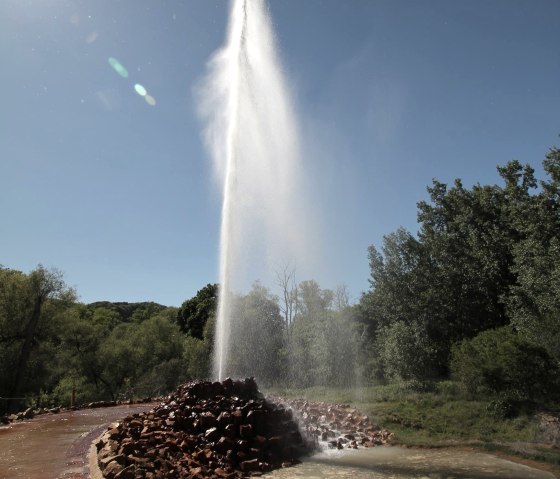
337 426
203 430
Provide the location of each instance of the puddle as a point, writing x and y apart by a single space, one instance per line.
391 462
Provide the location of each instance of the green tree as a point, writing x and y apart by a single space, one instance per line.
26 301
197 353
323 343
534 303
158 345
501 362
469 242
134 354
82 333
405 352
257 336
195 312
456 277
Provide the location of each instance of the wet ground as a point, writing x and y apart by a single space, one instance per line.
56 447
391 462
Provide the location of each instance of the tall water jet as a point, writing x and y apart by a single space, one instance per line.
252 136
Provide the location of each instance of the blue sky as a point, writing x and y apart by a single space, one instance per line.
119 194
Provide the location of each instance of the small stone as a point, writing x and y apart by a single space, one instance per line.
246 431
126 473
251 465
112 469
212 434
28 413
119 458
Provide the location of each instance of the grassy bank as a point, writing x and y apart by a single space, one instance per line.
441 416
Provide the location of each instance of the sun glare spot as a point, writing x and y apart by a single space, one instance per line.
150 100
140 89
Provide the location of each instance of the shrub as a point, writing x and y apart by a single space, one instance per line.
502 363
405 352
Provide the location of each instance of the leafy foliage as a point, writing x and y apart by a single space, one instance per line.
405 352
322 344
501 362
195 312
256 337
484 257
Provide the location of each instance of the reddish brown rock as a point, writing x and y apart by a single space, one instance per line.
251 466
226 430
246 431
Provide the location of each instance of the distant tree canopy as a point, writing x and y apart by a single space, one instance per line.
126 312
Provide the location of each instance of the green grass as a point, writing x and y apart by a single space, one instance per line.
438 417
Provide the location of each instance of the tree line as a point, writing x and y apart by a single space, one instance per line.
474 296
53 347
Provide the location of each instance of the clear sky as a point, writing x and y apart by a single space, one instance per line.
116 190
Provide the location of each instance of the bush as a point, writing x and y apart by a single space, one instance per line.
504 364
448 388
197 357
405 352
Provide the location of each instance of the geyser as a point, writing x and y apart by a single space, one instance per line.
252 135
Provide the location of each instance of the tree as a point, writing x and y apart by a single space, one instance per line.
289 304
468 239
323 342
26 301
399 280
142 359
534 302
82 332
312 300
406 352
257 336
129 312
194 313
197 353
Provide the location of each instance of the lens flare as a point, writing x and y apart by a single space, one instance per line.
140 89
150 100
118 67
92 37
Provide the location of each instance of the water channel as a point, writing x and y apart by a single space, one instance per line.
56 447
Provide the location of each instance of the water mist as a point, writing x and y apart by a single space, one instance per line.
252 135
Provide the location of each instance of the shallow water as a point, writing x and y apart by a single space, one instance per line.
55 445
391 462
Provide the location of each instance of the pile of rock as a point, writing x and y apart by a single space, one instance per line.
29 413
337 426
203 430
